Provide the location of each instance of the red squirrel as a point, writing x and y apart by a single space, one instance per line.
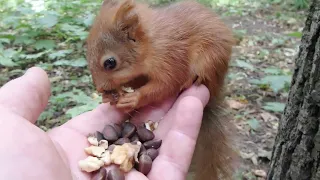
174 46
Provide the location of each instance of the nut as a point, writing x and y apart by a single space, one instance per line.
134 138
118 129
90 164
115 174
106 158
104 144
142 149
119 154
152 153
145 164
127 89
94 150
151 126
99 136
109 133
128 130
127 165
100 175
145 134
111 147
93 140
122 141
153 144
134 149
125 155
121 144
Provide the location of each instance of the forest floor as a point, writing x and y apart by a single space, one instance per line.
258 81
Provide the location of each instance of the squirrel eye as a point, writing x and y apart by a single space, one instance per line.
110 63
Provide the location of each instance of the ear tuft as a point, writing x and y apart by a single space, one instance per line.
109 2
125 16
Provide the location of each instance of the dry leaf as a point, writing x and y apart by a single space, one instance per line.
235 104
264 154
268 117
246 155
254 160
260 173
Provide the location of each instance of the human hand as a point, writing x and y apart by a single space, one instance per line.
29 153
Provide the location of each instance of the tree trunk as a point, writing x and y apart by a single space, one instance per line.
296 153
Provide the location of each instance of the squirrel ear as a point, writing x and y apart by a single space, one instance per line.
126 18
112 2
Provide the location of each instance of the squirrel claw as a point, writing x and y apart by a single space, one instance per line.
129 101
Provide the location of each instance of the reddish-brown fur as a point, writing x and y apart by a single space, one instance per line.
174 46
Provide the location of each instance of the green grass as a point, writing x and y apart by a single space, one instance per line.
51 35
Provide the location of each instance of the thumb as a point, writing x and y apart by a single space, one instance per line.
27 96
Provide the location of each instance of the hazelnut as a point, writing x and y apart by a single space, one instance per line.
125 155
127 89
151 126
119 154
106 158
104 144
90 164
93 140
94 150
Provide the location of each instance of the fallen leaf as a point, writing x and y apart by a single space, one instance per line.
246 155
260 173
254 124
268 117
292 21
274 106
235 104
254 160
264 154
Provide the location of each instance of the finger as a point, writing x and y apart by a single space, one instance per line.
72 135
95 120
177 148
27 96
134 175
200 92
153 112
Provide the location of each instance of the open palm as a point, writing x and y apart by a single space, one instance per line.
29 153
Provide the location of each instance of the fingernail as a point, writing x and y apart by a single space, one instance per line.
27 72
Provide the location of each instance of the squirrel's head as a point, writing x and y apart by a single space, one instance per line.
116 45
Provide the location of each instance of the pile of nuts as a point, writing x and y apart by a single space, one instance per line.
125 146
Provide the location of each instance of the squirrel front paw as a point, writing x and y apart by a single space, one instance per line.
129 101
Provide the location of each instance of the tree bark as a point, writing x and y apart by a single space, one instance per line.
296 153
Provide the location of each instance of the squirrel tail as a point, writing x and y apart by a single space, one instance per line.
212 158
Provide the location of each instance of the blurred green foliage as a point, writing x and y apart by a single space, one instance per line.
51 34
